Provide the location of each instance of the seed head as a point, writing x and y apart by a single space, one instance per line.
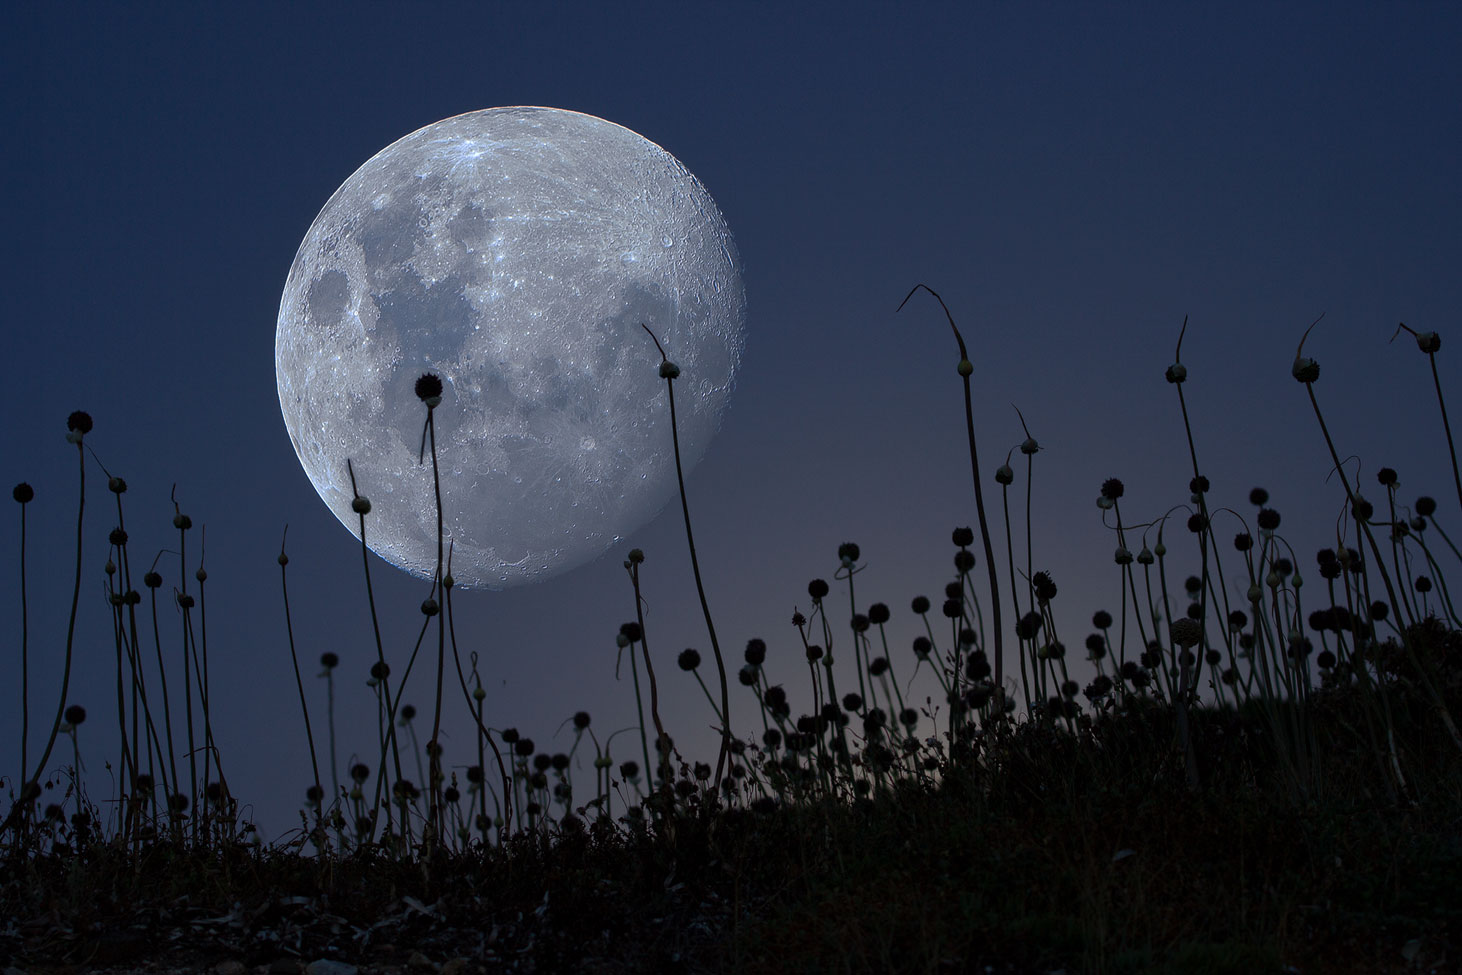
922 646
1186 632
380 670
182 522
200 575
116 485
817 589
581 720
152 580
1426 506
965 368
1122 556
1004 475
329 660
185 600
878 614
1268 519
848 553
429 389
689 659
361 505
79 423
1428 342
1198 485
118 537
1305 369
75 715
963 537
283 559
920 605
1101 619
23 493
1029 446
1243 541
1386 476
1112 488
636 556
1176 373
964 561
669 370
429 607
1144 557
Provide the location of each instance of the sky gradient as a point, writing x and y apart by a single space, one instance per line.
1073 179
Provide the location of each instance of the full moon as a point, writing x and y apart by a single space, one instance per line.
513 252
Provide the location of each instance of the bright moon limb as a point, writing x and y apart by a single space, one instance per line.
515 253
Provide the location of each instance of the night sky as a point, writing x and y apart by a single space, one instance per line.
1073 179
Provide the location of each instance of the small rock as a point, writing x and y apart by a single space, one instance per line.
327 966
230 967
420 963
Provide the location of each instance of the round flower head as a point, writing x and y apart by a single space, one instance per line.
965 368
1045 586
817 589
361 505
814 652
1258 497
152 580
1122 556
182 522
79 422
636 556
1196 523
669 370
1428 342
848 552
747 675
380 670
1198 485
878 666
1268 519
878 614
1112 488
185 600
1029 446
1426 506
860 623
429 389
1186 632
1101 619
963 537
329 660
1004 475
953 609
1386 476
756 651
117 537
1305 369
581 720
920 605
116 485
1243 541
922 646
23 493
1144 557
1176 373
429 607
75 715
798 619
689 659
200 575
964 561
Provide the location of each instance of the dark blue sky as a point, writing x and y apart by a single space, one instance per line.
1073 178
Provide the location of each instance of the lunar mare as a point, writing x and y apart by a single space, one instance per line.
514 252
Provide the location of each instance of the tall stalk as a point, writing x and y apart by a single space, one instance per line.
669 371
966 369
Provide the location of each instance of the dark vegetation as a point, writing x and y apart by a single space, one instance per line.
1262 773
